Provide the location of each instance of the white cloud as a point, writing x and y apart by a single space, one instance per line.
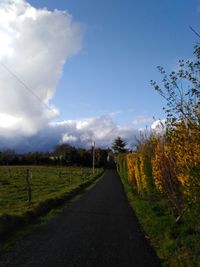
78 133
35 44
159 125
68 138
142 120
7 121
103 130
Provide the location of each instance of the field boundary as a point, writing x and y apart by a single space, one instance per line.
11 223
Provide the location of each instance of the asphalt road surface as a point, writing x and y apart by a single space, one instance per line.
99 229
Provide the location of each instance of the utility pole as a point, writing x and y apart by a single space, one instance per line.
93 156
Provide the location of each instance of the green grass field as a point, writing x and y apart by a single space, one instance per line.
46 183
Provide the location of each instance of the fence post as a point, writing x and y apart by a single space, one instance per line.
70 178
9 173
28 186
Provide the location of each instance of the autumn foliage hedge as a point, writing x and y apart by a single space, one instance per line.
167 161
168 166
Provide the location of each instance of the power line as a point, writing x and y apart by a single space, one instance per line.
195 32
26 86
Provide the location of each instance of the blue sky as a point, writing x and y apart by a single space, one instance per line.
123 43
111 49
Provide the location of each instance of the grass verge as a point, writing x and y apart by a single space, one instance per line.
177 245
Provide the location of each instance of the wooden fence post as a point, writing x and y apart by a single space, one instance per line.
9 173
28 186
70 178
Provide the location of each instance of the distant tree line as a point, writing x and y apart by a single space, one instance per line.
62 155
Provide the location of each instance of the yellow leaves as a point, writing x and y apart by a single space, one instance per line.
142 173
131 157
183 179
157 168
133 169
137 170
185 144
168 163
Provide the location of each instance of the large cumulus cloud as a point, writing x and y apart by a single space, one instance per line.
80 133
35 44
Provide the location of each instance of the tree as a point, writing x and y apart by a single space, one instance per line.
181 90
100 157
177 154
119 145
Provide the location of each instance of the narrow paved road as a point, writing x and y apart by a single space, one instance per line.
99 229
